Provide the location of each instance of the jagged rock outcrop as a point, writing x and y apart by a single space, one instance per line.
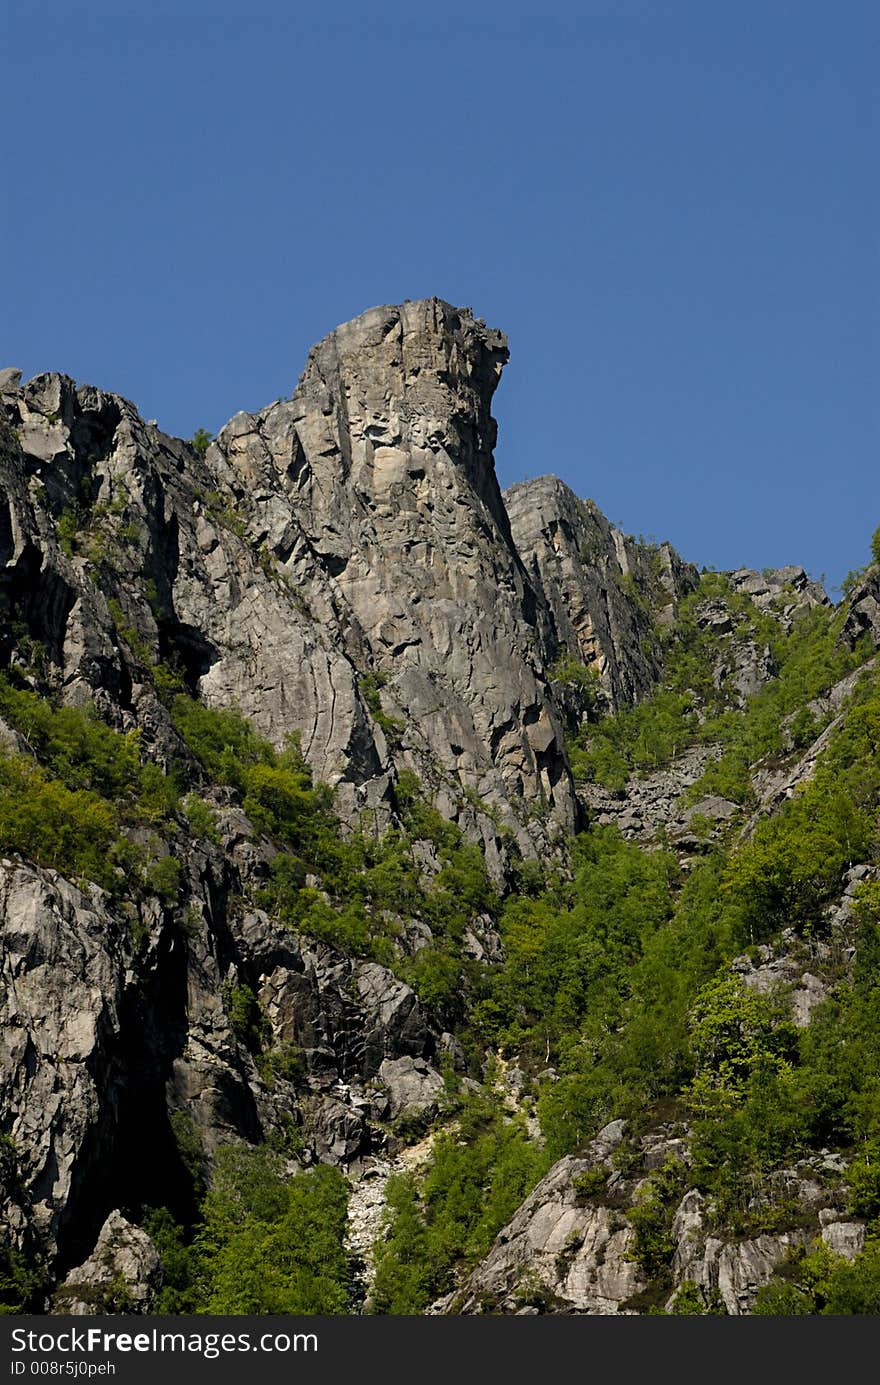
379 473
743 666
842 1237
412 1086
110 1021
782 592
339 566
653 803
114 1027
727 1274
604 589
863 614
344 1017
572 1247
122 1275
558 1254
64 971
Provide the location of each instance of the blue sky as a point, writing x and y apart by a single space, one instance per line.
671 209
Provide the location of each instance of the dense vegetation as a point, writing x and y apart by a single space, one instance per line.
264 1244
66 801
482 1166
619 977
697 702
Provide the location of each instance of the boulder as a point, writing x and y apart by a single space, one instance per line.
122 1275
413 1087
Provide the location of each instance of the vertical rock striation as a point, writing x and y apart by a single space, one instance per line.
605 590
374 491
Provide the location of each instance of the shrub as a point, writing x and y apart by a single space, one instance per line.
591 1185
245 1016
473 1186
201 818
73 831
201 440
270 1245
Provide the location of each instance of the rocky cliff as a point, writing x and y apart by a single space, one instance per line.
349 540
299 727
605 590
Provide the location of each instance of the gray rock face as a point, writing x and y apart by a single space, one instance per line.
655 801
730 1271
743 666
744 669
101 1039
63 969
105 1043
844 1238
601 587
374 491
339 565
863 616
783 592
413 1086
122 1275
556 1254
343 1017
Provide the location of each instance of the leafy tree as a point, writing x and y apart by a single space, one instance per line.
201 441
475 1182
270 1245
820 1282
72 831
735 1030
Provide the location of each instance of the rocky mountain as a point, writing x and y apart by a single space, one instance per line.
375 841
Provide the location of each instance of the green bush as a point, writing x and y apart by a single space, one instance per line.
20 1281
269 1244
178 1292
201 440
201 818
163 877
591 1186
474 1184
822 1283
221 739
73 831
74 744
245 1016
651 1216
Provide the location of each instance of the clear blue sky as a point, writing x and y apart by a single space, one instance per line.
671 208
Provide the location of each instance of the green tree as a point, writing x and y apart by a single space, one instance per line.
201 441
270 1245
734 1031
